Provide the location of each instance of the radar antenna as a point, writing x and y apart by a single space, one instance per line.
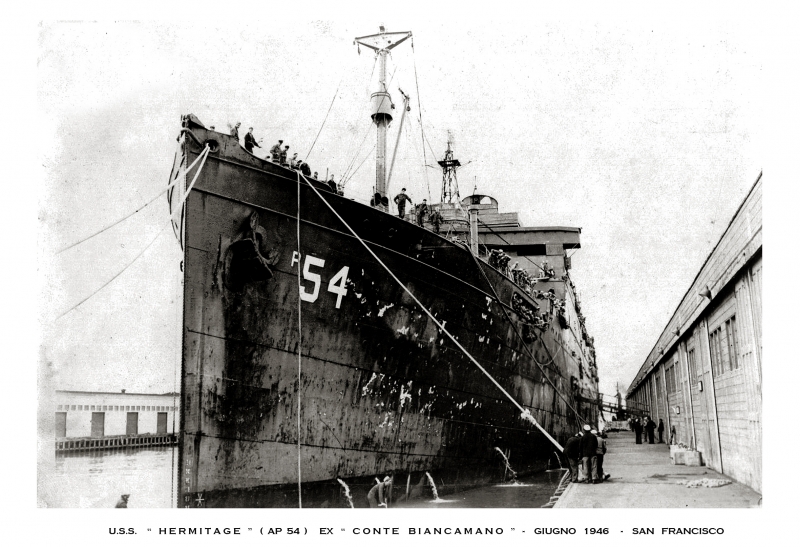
449 167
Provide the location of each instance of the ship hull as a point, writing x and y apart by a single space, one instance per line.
306 363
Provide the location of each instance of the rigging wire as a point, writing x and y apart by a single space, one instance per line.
422 130
358 151
323 121
299 349
204 154
369 155
109 226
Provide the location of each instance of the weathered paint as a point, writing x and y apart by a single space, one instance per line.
382 391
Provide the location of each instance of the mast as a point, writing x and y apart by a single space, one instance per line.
381 101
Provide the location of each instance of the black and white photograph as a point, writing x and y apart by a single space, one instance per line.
403 257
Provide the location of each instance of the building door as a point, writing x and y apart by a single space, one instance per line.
61 424
161 426
132 427
98 424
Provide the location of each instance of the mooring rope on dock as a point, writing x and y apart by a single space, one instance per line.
526 414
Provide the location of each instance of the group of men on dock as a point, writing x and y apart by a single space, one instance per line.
648 427
585 452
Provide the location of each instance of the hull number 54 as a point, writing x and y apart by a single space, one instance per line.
337 284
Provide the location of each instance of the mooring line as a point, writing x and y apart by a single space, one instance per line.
299 350
180 205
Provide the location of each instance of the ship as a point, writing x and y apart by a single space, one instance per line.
328 343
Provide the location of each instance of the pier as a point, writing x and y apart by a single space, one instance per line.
642 476
77 445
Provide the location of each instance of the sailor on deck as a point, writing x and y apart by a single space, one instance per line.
284 153
436 220
235 131
275 151
250 141
422 212
400 199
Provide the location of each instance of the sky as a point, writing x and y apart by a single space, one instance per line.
646 132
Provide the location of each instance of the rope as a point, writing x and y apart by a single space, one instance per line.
353 174
100 231
299 348
204 154
421 129
525 412
323 121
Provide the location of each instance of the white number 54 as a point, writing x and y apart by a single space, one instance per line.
337 284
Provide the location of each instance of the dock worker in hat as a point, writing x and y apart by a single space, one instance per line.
572 450
275 151
589 454
601 452
400 199
377 494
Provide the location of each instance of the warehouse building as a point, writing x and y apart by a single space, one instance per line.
90 414
703 376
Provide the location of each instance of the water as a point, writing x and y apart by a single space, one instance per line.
533 491
508 465
347 493
433 485
99 478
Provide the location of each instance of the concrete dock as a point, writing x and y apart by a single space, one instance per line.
642 476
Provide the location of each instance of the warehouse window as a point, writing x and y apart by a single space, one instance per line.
715 344
693 374
733 346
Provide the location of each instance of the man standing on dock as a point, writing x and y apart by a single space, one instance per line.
601 452
650 426
660 430
637 429
572 450
589 453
